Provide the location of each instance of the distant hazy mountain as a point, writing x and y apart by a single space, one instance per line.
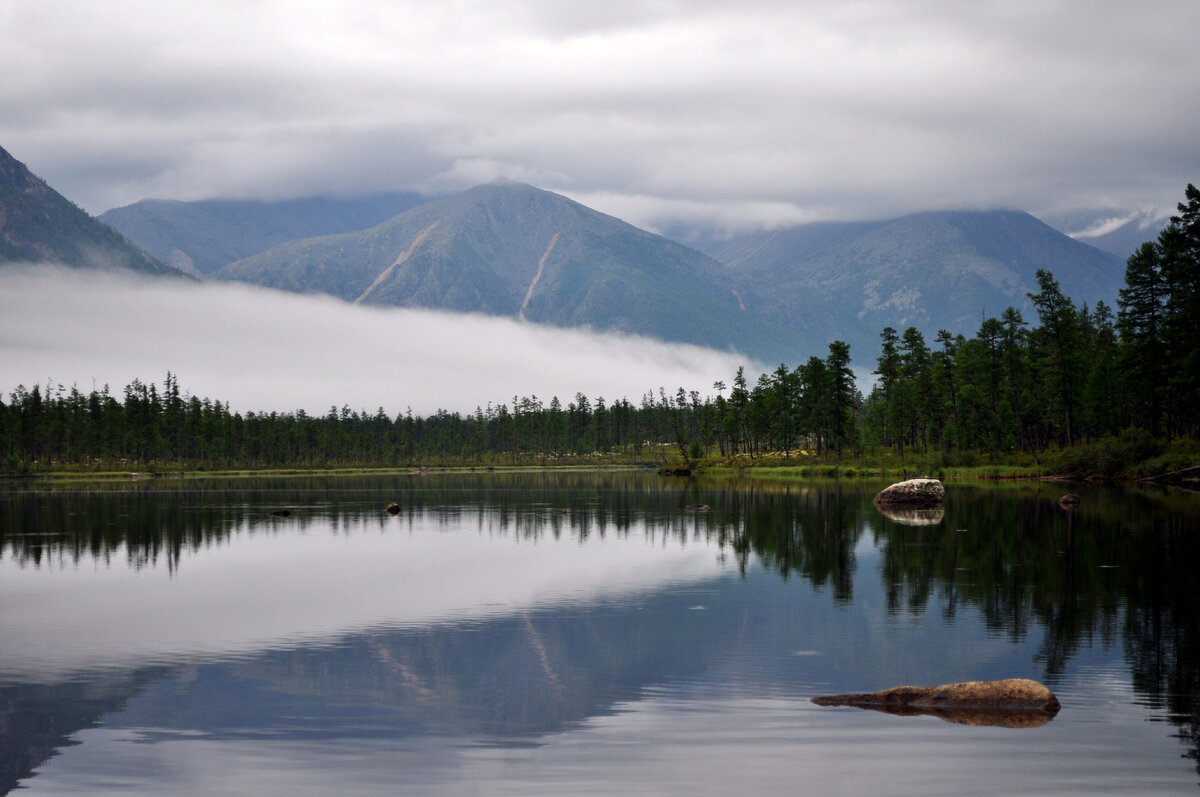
942 270
1119 232
38 224
509 249
200 237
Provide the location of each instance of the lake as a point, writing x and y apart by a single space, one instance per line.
587 633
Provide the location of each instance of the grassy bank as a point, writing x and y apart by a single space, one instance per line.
851 470
1130 457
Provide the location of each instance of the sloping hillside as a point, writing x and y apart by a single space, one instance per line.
38 224
509 249
200 237
941 270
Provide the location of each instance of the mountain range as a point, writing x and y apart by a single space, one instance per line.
940 270
510 249
38 224
513 250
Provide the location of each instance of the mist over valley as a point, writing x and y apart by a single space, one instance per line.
267 350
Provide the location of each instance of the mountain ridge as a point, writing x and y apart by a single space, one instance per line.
40 225
203 235
510 249
932 270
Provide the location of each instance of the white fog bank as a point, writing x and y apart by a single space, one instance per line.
264 350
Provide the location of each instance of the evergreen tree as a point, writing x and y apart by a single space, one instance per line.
916 394
1057 345
1103 399
1013 342
1142 306
888 369
1179 248
841 402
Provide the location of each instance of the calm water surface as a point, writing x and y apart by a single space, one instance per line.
587 634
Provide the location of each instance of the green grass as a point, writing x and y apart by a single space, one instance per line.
1131 456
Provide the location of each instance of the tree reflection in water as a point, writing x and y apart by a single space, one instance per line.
1119 570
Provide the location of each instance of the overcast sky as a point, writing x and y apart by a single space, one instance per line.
759 112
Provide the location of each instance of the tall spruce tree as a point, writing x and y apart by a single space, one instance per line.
842 398
888 369
1140 321
1179 249
1057 343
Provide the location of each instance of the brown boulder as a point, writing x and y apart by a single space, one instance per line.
1013 702
913 493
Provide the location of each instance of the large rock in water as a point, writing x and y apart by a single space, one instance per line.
913 493
1013 702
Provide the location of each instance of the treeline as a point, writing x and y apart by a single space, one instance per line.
1081 375
148 427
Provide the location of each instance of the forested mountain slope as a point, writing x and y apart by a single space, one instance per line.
941 270
509 249
200 237
38 224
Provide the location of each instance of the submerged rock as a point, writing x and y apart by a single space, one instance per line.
1013 702
912 493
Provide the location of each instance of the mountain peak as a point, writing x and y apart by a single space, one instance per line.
510 249
507 184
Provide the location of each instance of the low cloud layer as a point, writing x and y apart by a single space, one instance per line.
756 113
264 350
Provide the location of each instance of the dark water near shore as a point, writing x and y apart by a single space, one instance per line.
587 634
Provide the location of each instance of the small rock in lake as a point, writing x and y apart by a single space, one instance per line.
393 508
281 512
914 492
1069 501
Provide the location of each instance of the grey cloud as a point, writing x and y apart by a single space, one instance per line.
841 111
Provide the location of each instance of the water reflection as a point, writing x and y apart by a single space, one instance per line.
165 600
908 516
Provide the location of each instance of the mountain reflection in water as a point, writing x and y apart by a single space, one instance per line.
484 612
